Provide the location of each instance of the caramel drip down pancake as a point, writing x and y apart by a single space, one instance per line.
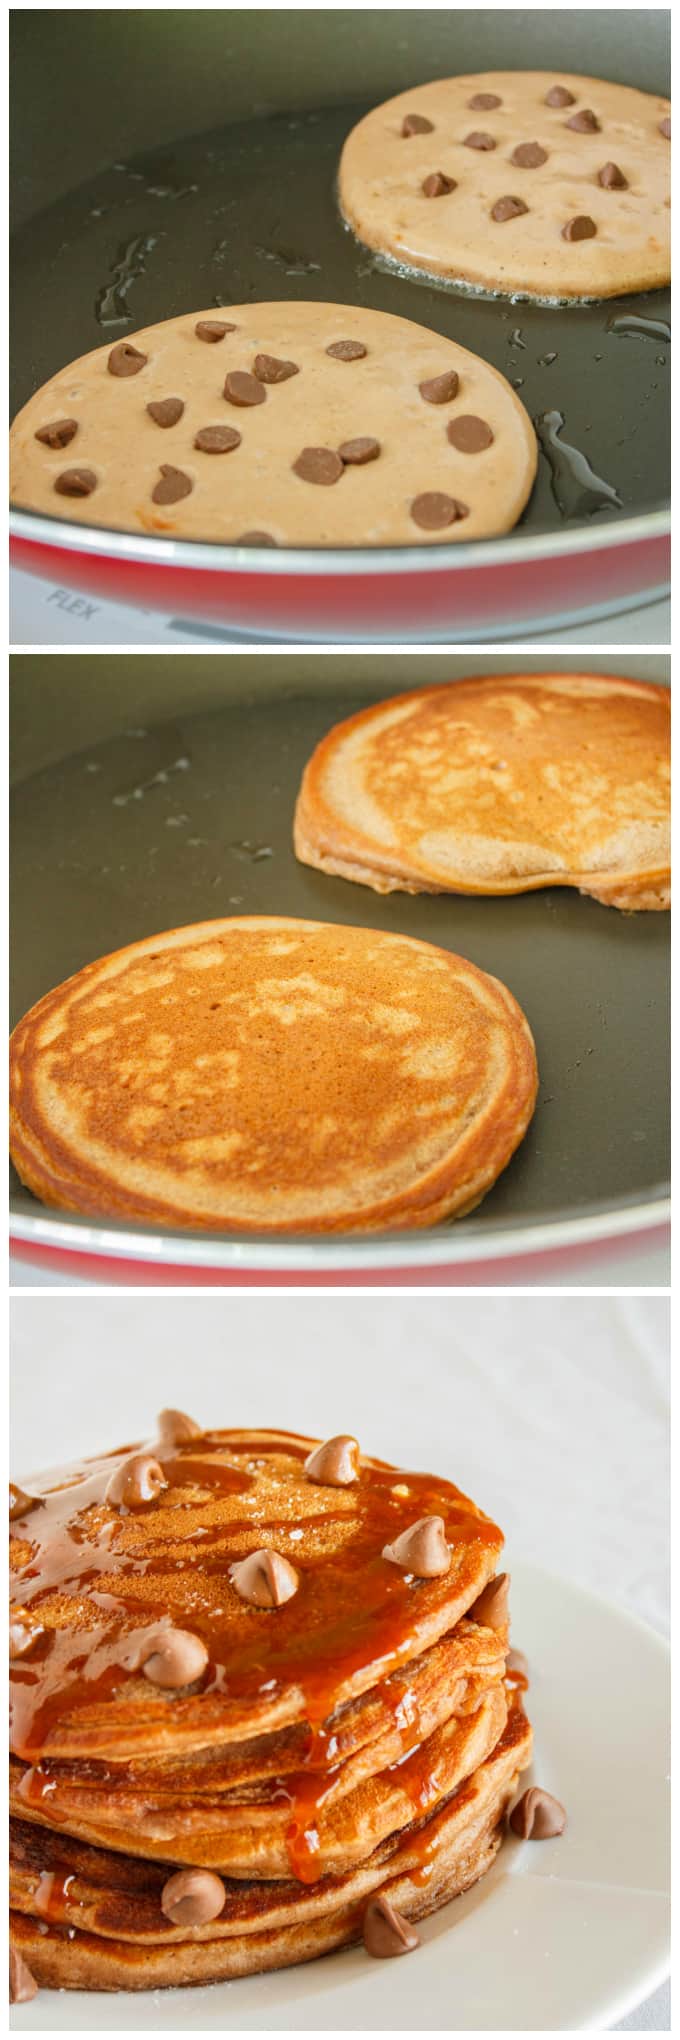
356 1737
498 785
272 1075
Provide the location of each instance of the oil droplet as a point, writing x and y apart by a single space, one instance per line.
628 325
294 265
516 339
158 779
252 853
577 490
546 360
111 306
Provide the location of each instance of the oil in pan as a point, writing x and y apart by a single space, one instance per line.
249 212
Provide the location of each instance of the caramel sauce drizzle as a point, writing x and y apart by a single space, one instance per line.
351 1614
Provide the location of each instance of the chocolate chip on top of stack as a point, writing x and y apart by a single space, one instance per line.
286 424
260 1707
562 192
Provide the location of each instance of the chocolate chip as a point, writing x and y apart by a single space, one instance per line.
537 1817
217 439
469 434
176 1428
484 102
437 185
336 1463
491 1607
76 482
256 538
611 178
269 370
167 411
665 127
265 1579
140 1479
347 350
212 330
385 1930
22 1983
433 510
479 141
318 464
241 388
422 1549
24 1629
439 389
125 359
529 155
416 124
579 229
174 1658
20 1504
59 433
559 96
585 123
172 486
356 452
508 209
191 1898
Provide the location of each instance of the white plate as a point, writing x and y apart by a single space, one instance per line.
561 1935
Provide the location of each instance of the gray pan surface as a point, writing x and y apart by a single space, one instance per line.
247 210
164 793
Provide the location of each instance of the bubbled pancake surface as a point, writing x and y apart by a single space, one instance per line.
327 403
272 1075
498 785
382 172
357 1738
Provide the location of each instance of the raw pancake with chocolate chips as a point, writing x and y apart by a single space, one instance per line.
279 424
272 1075
534 181
259 1687
498 785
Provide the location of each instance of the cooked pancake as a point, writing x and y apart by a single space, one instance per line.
278 424
558 187
105 1930
272 1075
498 785
356 1736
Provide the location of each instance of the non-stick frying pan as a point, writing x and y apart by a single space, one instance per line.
184 159
159 789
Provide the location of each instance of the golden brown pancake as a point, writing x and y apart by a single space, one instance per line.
271 1075
498 785
360 1737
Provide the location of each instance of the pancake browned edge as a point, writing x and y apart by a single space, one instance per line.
498 785
269 1075
331 1724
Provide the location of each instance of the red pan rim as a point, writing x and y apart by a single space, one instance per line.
509 550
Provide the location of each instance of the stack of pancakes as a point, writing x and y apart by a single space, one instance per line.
218 1767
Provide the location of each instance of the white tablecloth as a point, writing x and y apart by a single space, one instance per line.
552 1411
